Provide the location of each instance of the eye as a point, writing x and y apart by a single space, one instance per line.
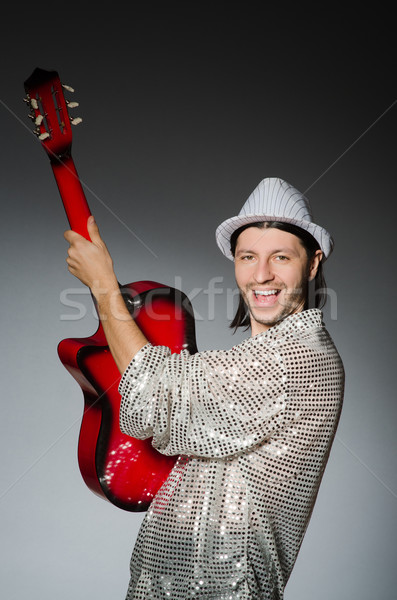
281 257
247 257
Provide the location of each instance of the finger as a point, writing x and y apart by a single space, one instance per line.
72 236
93 230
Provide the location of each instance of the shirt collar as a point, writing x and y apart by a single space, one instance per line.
301 321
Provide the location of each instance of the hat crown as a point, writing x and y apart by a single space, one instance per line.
274 197
274 200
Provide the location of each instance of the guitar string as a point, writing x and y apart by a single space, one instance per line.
306 190
392 492
337 437
84 185
351 146
346 446
54 443
348 149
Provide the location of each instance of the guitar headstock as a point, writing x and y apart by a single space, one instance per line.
49 111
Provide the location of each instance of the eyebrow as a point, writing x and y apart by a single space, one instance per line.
244 251
277 251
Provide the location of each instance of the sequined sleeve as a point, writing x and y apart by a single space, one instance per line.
253 427
212 404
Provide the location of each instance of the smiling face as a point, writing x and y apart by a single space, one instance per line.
272 272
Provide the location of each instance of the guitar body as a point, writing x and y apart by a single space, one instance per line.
123 470
126 471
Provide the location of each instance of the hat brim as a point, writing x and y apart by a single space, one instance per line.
228 227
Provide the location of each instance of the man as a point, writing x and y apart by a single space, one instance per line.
252 426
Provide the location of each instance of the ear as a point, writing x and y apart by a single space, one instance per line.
313 268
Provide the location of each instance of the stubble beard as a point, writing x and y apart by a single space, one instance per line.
293 302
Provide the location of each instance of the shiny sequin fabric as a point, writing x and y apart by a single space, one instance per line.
252 427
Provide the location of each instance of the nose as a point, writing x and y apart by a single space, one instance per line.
263 271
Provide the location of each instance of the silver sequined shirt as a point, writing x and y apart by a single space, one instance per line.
252 427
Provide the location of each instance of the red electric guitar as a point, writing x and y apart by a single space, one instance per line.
123 470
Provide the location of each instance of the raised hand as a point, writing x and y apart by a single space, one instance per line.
90 261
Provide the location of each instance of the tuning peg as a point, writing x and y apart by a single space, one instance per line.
76 121
67 87
72 104
38 120
34 104
41 136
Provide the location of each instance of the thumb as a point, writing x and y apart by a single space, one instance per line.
93 230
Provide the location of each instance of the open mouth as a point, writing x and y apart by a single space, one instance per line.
266 297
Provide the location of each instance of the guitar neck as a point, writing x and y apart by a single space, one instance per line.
49 111
72 194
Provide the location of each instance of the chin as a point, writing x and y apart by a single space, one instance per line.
269 320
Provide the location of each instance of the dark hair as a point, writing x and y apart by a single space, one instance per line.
242 318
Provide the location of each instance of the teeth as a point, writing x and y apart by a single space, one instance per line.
264 292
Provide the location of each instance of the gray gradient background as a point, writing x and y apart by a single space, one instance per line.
185 111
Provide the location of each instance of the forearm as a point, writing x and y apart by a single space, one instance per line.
91 262
123 335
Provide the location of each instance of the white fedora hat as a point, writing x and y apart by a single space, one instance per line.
274 200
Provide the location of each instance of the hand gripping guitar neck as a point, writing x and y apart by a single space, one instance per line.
123 470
